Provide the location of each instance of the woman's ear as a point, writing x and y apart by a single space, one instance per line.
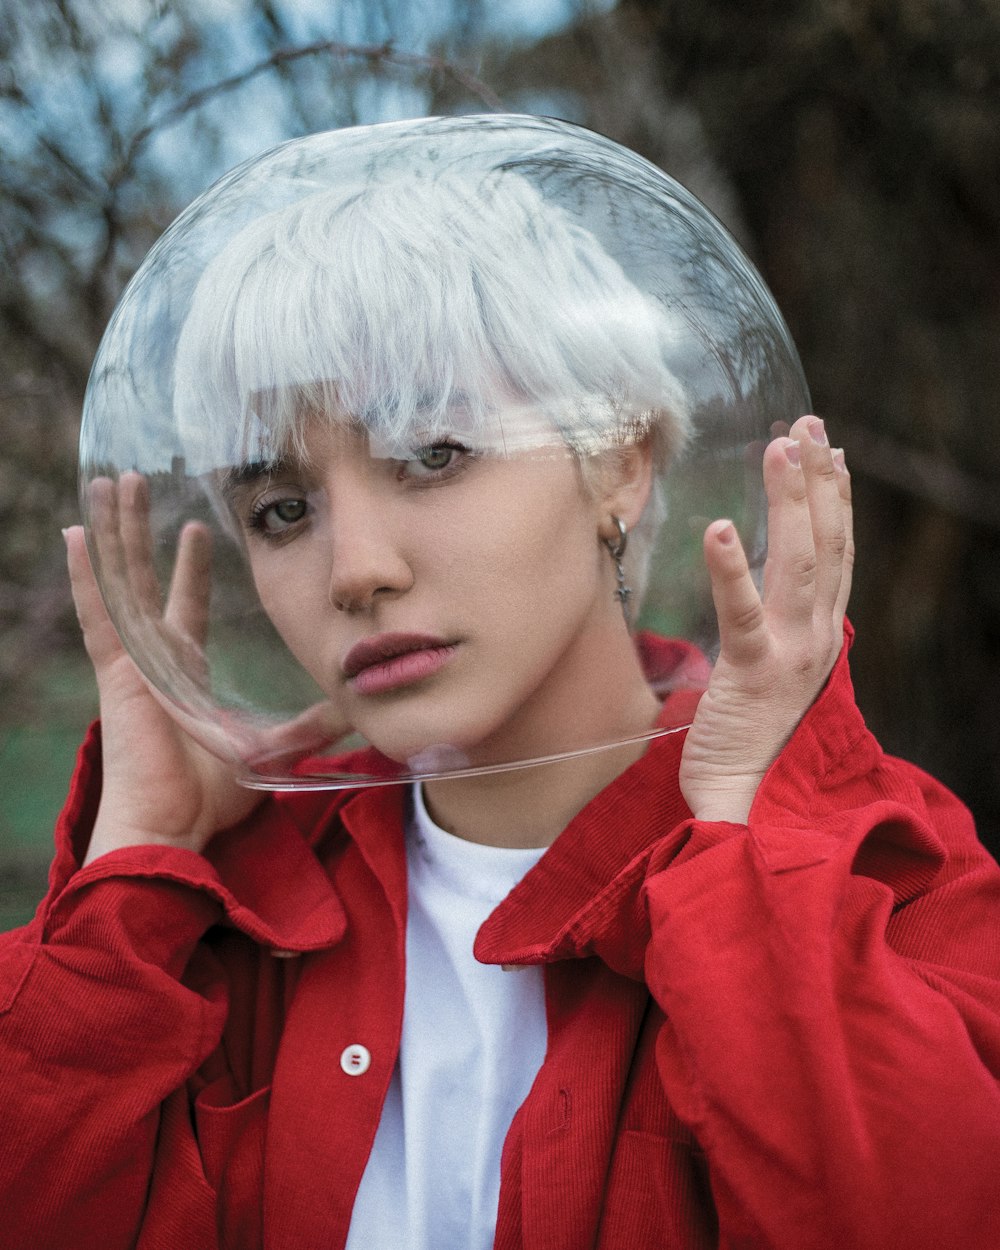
626 479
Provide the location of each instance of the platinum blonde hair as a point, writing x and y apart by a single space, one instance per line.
422 307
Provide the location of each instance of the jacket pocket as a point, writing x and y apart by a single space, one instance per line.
181 1209
231 1140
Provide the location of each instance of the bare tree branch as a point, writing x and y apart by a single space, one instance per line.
923 475
374 54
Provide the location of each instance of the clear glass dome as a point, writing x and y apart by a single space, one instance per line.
366 429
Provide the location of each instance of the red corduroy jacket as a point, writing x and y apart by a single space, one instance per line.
780 1035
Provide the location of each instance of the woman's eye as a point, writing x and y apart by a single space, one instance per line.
434 459
438 456
277 516
288 511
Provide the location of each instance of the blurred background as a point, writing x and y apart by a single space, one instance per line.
853 147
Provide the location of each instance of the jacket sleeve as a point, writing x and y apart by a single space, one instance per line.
830 975
110 1002
104 1012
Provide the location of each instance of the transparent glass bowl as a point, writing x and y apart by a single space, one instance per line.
330 369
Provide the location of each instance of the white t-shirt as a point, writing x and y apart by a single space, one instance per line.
474 1037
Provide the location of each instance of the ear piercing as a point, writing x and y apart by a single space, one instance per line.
616 547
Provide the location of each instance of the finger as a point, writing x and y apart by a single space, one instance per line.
190 586
102 507
844 490
826 511
742 628
99 635
137 543
790 571
105 547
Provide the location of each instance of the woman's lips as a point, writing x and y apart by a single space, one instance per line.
389 661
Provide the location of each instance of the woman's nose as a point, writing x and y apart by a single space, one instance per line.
366 561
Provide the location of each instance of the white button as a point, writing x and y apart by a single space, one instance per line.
286 954
356 1059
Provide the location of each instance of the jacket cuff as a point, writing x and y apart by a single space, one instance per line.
293 909
830 747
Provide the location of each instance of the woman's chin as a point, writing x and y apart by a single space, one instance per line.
437 758
440 749
460 735
417 749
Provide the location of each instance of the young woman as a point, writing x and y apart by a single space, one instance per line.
736 987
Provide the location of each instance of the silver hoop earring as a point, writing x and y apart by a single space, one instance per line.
616 547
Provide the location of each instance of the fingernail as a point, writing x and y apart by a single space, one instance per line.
65 534
793 454
725 532
839 460
817 431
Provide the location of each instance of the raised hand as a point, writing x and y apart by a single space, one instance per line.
159 786
777 650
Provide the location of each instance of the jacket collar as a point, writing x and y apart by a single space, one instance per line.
584 897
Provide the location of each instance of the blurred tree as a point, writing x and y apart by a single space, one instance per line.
864 141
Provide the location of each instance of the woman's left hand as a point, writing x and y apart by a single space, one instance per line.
777 650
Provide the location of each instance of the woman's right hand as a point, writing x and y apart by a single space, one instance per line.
159 785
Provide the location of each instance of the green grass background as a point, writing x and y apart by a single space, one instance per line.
37 754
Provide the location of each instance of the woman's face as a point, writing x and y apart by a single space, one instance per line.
444 600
